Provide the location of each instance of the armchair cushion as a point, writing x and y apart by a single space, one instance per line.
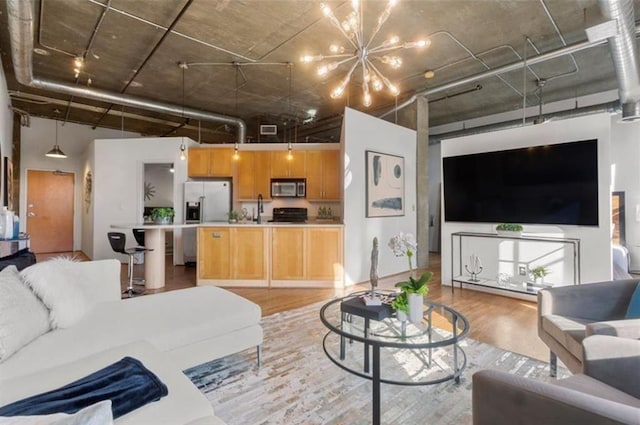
568 331
633 311
614 361
623 328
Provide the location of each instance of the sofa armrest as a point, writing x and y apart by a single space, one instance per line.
628 328
500 398
614 361
101 279
594 301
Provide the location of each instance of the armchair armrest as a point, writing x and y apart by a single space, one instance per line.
500 398
614 361
628 328
594 301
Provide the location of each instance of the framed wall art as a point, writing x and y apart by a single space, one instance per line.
8 184
385 185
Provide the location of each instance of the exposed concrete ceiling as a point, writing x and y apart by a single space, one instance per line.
128 54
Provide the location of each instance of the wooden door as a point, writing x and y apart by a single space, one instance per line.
50 211
214 256
324 254
246 176
331 175
287 253
198 163
249 253
314 175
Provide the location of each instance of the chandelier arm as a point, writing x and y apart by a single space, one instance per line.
348 77
336 23
381 20
384 79
381 49
346 55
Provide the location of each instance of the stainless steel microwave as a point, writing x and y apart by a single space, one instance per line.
288 188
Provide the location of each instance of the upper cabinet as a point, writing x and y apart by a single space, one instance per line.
282 166
323 175
254 174
210 162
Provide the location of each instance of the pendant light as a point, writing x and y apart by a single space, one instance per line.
56 152
290 146
236 154
183 156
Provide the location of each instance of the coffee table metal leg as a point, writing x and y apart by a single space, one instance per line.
342 338
456 369
376 385
366 346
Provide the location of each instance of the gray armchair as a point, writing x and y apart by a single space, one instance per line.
607 393
568 314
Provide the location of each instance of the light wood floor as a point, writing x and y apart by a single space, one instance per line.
500 321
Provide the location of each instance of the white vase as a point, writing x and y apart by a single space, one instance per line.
402 315
416 304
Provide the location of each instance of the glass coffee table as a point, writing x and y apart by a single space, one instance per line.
363 338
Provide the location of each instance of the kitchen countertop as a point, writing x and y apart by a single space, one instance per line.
309 223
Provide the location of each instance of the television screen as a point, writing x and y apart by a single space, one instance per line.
551 184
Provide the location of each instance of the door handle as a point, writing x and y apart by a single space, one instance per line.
31 214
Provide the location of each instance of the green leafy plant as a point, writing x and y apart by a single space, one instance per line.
539 272
233 215
509 227
403 244
400 303
162 213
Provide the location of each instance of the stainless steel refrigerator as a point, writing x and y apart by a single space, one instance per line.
204 202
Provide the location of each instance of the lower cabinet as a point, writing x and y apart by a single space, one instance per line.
306 256
233 256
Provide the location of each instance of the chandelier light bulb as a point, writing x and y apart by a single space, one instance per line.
418 43
326 10
376 83
323 70
366 100
336 49
394 90
355 4
78 62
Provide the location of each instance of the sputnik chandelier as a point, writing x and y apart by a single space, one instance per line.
364 55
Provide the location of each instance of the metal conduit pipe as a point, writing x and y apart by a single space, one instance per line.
625 58
21 35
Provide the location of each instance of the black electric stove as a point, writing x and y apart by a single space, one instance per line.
289 215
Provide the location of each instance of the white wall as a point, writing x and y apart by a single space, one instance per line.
362 132
73 139
434 170
118 184
88 201
595 241
6 123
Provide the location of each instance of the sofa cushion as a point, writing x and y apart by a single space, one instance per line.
568 331
589 385
23 317
54 282
633 311
168 321
183 404
96 414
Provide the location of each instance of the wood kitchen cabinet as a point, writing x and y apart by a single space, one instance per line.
253 175
287 253
233 255
283 167
210 162
323 175
307 256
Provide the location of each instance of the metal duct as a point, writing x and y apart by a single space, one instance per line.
625 58
21 34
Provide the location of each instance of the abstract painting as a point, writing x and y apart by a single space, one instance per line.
8 184
385 184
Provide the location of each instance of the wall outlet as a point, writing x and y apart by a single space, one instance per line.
522 270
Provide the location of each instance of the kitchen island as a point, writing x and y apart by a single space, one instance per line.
271 254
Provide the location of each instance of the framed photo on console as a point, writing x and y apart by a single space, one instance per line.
384 185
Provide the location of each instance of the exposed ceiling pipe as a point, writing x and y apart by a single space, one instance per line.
625 57
21 33
572 48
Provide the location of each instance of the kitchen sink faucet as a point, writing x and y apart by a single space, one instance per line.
260 208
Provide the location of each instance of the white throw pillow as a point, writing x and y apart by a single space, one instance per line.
56 283
96 414
23 317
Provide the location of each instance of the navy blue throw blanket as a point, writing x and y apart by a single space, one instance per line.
127 383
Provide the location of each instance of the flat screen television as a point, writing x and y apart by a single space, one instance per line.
550 184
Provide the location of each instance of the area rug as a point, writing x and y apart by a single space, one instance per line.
298 384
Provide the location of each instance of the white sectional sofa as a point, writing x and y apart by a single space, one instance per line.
168 332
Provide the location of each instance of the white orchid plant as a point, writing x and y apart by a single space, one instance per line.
404 244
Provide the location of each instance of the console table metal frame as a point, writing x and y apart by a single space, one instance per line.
575 243
376 345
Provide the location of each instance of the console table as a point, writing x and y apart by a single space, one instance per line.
507 267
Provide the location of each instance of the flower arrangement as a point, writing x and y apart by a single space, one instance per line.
403 244
400 303
539 272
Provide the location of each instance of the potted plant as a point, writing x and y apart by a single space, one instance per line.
233 216
401 306
162 215
509 229
538 274
414 289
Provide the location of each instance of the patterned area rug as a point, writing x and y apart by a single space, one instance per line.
298 384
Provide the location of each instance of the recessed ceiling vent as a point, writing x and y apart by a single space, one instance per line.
269 130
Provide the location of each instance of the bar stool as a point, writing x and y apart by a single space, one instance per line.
118 242
139 235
